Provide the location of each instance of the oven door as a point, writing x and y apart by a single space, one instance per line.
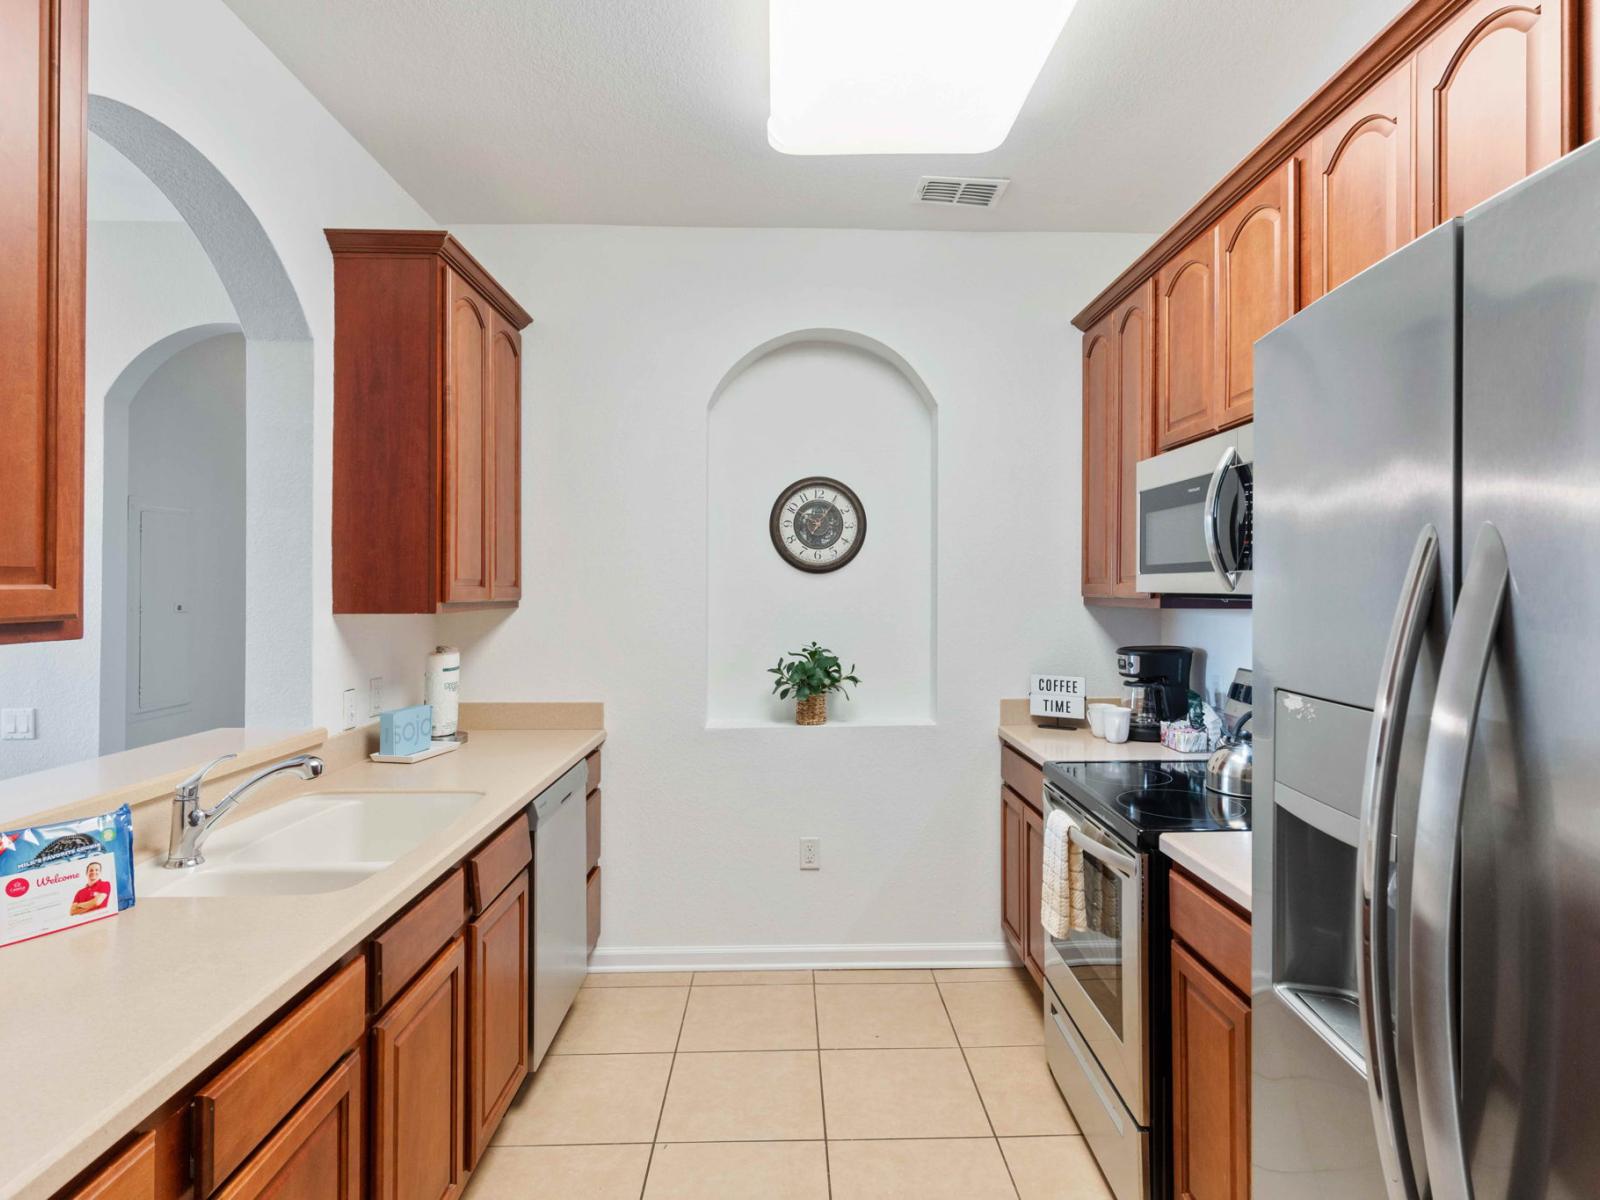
1195 520
1100 973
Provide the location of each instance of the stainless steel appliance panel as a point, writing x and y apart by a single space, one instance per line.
1120 1145
1355 436
1194 515
560 928
1529 937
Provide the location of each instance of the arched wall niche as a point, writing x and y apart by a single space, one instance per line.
845 405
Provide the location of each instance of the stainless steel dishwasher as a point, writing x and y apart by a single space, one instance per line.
560 929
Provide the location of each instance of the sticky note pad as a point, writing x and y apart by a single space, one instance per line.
405 730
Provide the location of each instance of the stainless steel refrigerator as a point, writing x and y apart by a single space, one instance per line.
1427 665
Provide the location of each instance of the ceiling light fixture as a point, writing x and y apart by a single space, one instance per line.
904 76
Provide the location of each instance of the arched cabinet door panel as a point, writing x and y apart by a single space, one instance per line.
1100 455
1188 381
1134 323
505 411
1257 288
1489 104
1360 184
468 428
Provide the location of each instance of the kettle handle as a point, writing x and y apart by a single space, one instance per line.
1243 721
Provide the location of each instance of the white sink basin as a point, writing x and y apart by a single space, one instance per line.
321 842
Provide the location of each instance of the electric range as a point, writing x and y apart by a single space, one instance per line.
1139 801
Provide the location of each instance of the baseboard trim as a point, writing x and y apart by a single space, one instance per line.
778 958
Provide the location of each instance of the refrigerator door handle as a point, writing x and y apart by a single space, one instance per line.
1437 863
1230 459
1377 827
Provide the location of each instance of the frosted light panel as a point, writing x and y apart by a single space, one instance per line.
904 76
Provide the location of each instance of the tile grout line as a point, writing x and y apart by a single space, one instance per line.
822 1090
650 1159
982 1103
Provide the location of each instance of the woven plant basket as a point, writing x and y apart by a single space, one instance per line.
813 710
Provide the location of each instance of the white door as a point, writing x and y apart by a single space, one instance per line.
165 550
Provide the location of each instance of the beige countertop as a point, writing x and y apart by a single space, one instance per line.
102 1023
1044 745
1219 859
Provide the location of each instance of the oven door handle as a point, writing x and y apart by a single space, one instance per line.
1123 864
1229 460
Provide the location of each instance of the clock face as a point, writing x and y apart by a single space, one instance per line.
817 524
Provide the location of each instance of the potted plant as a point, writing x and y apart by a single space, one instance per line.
809 674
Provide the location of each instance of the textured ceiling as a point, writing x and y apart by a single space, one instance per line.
653 112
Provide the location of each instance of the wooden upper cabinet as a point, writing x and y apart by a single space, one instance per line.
1188 374
1134 321
1100 457
1489 104
1360 184
1258 279
43 215
427 442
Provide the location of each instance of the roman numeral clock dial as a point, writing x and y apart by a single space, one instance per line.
817 524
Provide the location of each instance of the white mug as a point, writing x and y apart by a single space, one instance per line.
1097 718
1117 722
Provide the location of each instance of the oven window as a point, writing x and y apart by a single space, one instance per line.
1097 955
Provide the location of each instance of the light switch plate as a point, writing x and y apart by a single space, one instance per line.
16 724
375 696
349 708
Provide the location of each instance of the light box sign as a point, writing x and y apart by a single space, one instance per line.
1056 696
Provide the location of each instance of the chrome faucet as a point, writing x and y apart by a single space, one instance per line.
191 824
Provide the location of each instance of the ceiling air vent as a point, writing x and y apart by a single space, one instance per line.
951 189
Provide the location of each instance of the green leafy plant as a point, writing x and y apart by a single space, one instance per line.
811 671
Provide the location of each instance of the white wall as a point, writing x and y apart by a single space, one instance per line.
1222 645
192 65
634 329
819 407
186 452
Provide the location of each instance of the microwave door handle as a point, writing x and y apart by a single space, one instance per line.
1123 864
1230 459
1377 826
1437 863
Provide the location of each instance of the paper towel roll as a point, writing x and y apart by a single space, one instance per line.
441 688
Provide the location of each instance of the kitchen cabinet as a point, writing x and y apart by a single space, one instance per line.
1033 873
1257 281
1210 1044
427 437
419 1088
498 987
1134 322
1100 461
592 812
317 1151
44 217
1489 89
1013 875
130 1174
1022 858
1188 371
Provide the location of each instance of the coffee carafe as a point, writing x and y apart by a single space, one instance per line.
1156 687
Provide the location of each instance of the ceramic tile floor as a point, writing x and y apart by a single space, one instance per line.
794 1085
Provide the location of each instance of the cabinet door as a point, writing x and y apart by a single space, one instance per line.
1210 1084
1360 184
505 406
1489 101
1136 393
497 945
1188 381
1257 279
1033 852
1100 455
130 1175
419 1085
1013 879
42 214
468 434
316 1153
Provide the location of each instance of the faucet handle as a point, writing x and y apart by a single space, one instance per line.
190 787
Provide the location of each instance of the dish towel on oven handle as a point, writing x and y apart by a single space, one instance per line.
1061 900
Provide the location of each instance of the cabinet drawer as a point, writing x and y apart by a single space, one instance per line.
1212 929
129 1175
594 908
243 1104
414 937
594 769
1022 776
498 861
592 817
317 1152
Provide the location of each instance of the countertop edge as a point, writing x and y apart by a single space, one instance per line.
1215 863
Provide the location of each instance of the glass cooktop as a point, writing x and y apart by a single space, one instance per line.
1139 801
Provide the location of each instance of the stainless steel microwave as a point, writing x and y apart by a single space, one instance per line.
1194 517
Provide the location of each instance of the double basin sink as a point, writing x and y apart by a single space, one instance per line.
320 842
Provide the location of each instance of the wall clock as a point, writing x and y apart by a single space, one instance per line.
817 524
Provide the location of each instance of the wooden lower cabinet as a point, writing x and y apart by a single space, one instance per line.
316 1153
419 1085
1021 879
130 1174
1033 848
497 946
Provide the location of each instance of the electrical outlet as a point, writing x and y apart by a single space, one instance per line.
375 696
349 708
16 724
810 854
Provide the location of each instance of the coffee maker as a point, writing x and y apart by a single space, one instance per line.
1156 686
